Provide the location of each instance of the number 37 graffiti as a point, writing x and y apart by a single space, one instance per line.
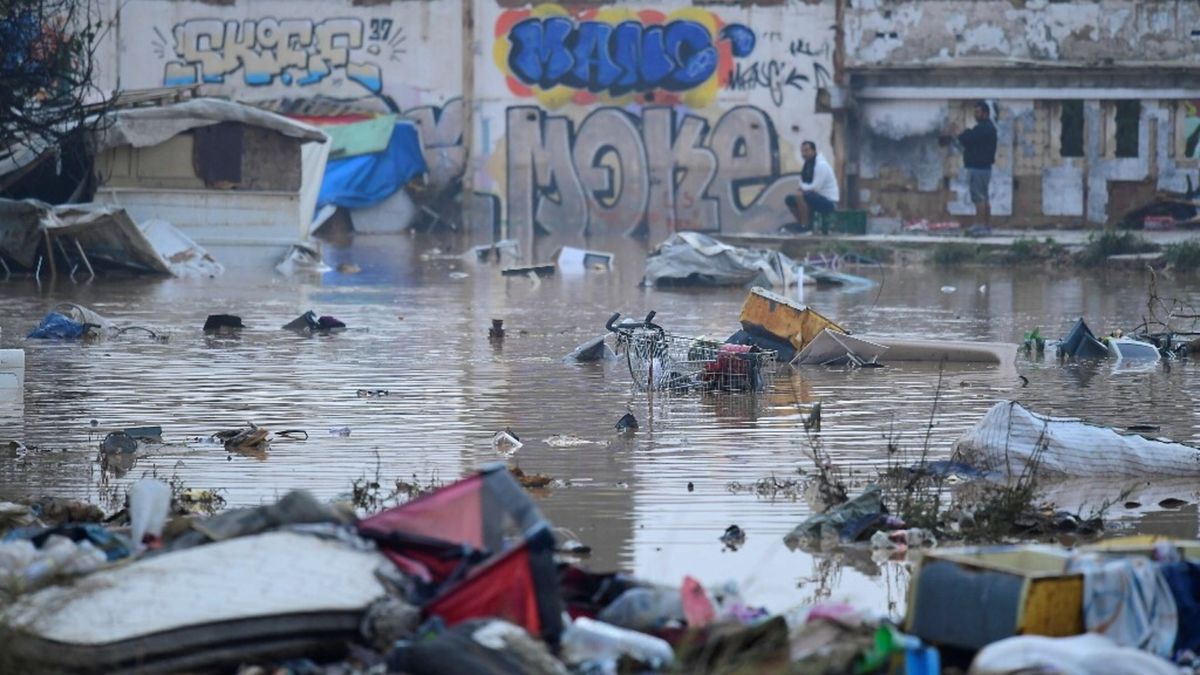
298 52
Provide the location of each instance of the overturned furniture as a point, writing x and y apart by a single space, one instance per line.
240 181
83 239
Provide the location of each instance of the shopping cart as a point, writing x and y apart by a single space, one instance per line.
662 361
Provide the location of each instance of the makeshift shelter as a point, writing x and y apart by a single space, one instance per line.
476 548
88 237
241 181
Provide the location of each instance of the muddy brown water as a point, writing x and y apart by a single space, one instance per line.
418 329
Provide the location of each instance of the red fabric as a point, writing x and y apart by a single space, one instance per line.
322 120
453 513
503 588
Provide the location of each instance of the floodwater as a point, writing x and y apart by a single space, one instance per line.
418 329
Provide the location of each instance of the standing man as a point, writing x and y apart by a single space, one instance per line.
979 154
818 188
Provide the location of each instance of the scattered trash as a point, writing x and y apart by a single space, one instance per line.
149 502
492 252
948 289
340 431
496 332
576 260
734 537
695 259
627 423
118 442
593 350
302 259
849 521
371 393
586 641
218 323
1011 439
252 441
566 441
458 275
530 481
309 322
537 270
506 442
1081 343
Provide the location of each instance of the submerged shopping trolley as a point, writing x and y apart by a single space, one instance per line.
663 361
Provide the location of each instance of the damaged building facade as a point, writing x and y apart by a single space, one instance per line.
1096 105
655 117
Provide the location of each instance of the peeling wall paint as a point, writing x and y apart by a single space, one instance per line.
893 33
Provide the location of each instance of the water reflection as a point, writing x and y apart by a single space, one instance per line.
418 328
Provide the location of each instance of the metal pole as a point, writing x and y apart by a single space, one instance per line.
86 262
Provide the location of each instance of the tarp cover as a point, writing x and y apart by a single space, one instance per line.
366 180
1009 437
693 258
144 127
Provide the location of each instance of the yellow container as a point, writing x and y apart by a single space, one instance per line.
969 598
783 317
1144 545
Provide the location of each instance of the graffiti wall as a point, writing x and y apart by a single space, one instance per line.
640 119
272 49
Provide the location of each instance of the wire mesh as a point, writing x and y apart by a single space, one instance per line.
662 361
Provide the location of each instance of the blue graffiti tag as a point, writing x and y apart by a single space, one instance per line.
629 56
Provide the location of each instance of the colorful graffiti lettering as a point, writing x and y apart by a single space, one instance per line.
661 171
561 57
297 52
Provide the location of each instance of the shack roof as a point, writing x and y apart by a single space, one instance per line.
144 127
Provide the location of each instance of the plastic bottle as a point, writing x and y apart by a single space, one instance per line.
149 502
587 640
644 608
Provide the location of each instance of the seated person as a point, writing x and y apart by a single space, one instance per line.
818 188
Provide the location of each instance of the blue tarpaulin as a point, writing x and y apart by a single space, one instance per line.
366 180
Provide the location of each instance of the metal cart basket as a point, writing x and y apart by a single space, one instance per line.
663 361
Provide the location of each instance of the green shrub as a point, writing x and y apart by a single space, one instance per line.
1183 256
1100 246
953 253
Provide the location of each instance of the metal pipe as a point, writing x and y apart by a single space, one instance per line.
86 262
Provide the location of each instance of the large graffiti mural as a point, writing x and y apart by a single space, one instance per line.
299 52
611 54
659 171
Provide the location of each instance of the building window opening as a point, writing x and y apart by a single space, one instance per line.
1128 116
1071 137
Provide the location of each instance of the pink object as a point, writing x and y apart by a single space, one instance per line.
834 611
697 608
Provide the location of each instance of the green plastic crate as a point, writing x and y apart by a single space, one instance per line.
841 222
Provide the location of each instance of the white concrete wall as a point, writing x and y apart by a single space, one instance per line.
408 52
891 32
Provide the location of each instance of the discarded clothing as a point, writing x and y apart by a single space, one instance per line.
1129 601
485 647
1183 578
866 507
691 258
1009 438
295 507
55 326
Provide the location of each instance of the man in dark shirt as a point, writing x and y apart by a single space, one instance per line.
979 154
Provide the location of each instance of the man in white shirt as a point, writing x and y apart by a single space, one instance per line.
818 187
